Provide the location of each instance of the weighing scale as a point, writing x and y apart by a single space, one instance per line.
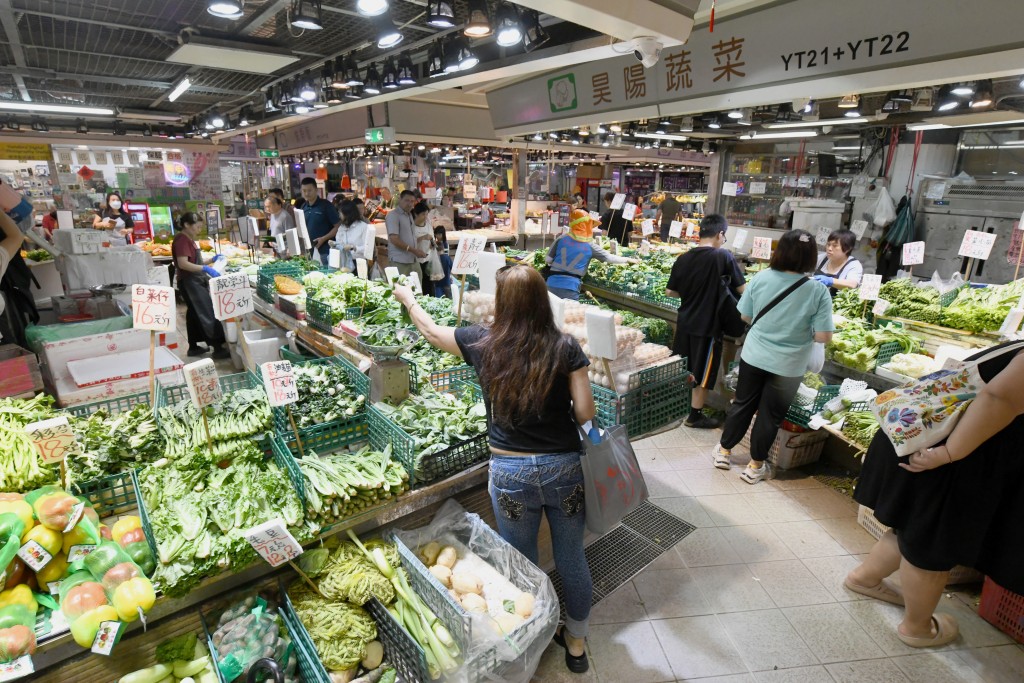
389 374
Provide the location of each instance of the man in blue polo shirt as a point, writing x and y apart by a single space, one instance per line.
322 219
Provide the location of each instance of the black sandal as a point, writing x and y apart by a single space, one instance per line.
577 665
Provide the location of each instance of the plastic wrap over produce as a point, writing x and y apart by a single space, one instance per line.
504 646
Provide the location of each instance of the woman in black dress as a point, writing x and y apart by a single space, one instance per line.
958 503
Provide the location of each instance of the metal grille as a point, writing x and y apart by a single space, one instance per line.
657 526
1009 191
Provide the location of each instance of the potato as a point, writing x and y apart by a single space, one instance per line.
448 557
465 582
524 605
474 603
442 574
429 553
506 623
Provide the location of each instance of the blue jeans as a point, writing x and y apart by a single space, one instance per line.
524 487
561 293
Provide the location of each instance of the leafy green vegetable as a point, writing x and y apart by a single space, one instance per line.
181 648
236 417
39 255
982 309
21 469
325 395
340 485
113 444
339 630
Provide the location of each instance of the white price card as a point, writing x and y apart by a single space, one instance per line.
232 296
391 274
273 542
869 287
821 235
601 333
758 187
53 439
414 282
762 248
740 239
880 307
291 238
361 268
729 189
647 227
489 266
469 191
935 191
334 259
977 244
676 229
859 186
557 310
279 381
467 256
628 211
858 228
16 668
1011 325
153 308
617 201
303 232
107 637
65 220
692 229
913 253
202 382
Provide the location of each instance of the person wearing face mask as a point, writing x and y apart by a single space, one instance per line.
193 282
112 218
322 220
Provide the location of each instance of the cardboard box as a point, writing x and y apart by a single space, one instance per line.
19 372
56 355
89 372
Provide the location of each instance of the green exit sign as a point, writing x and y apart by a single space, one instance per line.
270 154
380 136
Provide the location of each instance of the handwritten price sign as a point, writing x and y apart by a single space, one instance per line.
273 542
675 229
203 382
869 287
279 381
232 296
628 211
762 248
977 244
647 227
913 253
467 256
153 308
53 439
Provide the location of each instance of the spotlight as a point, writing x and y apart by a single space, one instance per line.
510 30
406 70
216 120
946 100
306 90
296 90
686 124
352 77
387 35
225 9
147 131
849 102
714 123
338 73
390 81
479 24
963 89
440 14
736 113
435 60
615 128
451 55
534 35
307 15
982 95
302 108
355 92
373 84
372 8
467 58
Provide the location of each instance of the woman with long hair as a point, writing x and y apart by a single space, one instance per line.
351 237
193 282
537 392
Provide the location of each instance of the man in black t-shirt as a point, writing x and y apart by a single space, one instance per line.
614 225
698 278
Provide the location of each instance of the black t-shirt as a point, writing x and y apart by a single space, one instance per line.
697 277
554 429
616 227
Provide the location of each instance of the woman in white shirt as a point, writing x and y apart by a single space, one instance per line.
114 219
836 268
352 234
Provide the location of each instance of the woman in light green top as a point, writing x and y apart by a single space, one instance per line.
776 350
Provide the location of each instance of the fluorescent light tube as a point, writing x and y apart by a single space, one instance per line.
182 86
56 108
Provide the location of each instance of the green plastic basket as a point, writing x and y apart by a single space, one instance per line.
434 594
886 351
319 315
112 495
444 380
404 653
801 416
661 397
310 666
284 459
112 405
147 527
946 300
292 357
169 395
265 287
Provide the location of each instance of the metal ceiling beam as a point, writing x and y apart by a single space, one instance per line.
49 74
10 26
256 23
670 23
95 22
350 13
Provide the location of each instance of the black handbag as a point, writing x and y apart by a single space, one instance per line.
730 322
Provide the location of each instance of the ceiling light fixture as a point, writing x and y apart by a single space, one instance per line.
388 36
306 90
56 109
337 79
466 57
354 92
736 113
686 124
225 9
820 122
372 85
615 128
779 136
510 28
216 120
946 100
372 8
302 108
662 136
406 70
352 76
81 126
479 23
440 14
451 55
245 117
963 89
714 123
390 81
849 102
435 60
177 91
982 95
307 15
534 34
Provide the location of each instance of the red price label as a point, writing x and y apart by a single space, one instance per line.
279 382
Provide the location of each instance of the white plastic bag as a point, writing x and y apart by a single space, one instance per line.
817 359
885 210
434 266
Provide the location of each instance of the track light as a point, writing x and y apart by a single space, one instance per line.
406 70
354 92
982 95
372 86
534 34
372 8
736 113
217 120
338 73
307 15
686 124
245 116
295 90
306 90
177 91
451 55
849 102
714 123
352 77
435 60
963 89
440 14
225 9
390 81
388 35
332 96
946 100
479 24
510 29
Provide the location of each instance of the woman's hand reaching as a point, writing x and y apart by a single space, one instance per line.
405 296
928 459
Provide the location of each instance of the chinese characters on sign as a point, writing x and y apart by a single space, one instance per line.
232 296
647 227
467 256
153 308
762 248
279 381
821 236
203 383
977 244
913 253
678 71
727 59
869 287
602 88
53 439
635 81
273 542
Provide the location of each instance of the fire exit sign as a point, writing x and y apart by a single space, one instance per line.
380 136
270 154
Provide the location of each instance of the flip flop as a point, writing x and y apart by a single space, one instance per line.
946 631
883 591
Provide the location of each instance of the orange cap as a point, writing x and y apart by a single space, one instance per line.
581 225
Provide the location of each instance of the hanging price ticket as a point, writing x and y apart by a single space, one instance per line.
232 296
53 439
279 381
203 382
273 542
153 308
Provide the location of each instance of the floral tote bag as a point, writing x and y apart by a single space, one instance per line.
923 413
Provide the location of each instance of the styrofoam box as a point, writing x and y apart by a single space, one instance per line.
261 346
70 395
56 355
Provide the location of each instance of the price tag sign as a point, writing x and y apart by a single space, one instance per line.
740 239
869 286
303 232
628 211
676 229
729 189
977 244
414 282
691 229
203 383
757 188
469 191
279 381
647 227
913 253
467 256
16 668
880 307
361 268
232 296
53 439
153 308
273 542
107 637
391 274
762 248
1012 323
334 259
859 228
601 333
34 555
821 236
490 264
618 201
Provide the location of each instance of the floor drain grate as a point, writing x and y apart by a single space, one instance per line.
622 553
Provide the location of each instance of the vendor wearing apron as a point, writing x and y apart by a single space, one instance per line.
114 219
836 268
201 325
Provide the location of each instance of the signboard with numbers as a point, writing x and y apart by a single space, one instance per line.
977 244
675 229
153 308
273 542
858 228
202 382
869 287
467 256
279 381
762 248
618 201
628 211
821 235
469 190
53 439
647 227
913 253
232 295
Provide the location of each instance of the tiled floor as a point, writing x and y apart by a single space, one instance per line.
755 594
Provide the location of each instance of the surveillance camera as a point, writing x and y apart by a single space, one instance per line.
647 50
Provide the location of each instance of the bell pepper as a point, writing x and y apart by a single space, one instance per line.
11 525
20 508
142 555
123 526
48 538
77 536
19 595
53 571
15 615
133 596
